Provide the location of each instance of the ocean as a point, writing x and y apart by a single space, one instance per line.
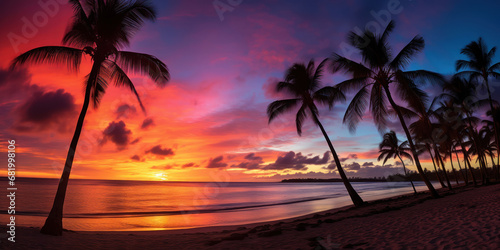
113 205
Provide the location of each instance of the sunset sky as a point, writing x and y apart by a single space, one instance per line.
209 123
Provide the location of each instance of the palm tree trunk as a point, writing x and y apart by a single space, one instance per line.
466 158
406 174
53 223
356 199
473 135
495 127
452 168
464 175
438 157
410 141
435 169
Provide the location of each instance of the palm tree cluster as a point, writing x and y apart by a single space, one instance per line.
443 128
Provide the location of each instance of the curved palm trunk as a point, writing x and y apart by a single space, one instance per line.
406 174
436 170
466 158
464 175
53 223
412 146
356 199
452 168
438 157
472 135
495 127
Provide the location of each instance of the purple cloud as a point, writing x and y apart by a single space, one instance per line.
216 162
118 134
159 151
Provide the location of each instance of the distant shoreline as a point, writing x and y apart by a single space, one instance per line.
340 180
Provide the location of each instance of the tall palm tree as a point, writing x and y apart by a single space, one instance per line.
495 117
376 78
391 148
100 29
302 83
480 67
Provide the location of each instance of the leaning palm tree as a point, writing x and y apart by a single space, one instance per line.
391 148
100 29
479 67
302 84
376 78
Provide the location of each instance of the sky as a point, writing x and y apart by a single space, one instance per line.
225 56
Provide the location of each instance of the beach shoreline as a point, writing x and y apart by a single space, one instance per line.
464 218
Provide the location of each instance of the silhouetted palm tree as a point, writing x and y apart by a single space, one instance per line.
374 77
391 148
302 84
480 67
99 29
495 121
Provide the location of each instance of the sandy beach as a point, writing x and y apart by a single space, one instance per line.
467 218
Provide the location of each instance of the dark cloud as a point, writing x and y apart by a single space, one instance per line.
368 164
331 166
251 162
125 111
350 156
352 166
159 151
190 165
15 82
45 110
247 165
147 123
118 133
136 158
253 157
291 160
216 162
165 167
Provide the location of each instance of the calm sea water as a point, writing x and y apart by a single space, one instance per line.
105 205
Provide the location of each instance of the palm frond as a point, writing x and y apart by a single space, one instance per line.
144 64
353 84
403 58
279 107
328 96
51 54
424 76
120 78
463 64
342 64
299 119
319 72
356 109
410 93
378 106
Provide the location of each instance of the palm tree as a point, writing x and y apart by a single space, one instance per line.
99 29
422 130
495 117
479 66
390 148
374 77
302 83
